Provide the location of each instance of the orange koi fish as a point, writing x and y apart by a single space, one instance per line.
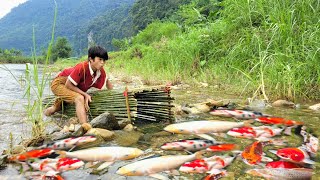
57 165
222 147
216 174
278 120
252 154
37 153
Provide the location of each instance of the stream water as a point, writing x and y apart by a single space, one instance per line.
12 115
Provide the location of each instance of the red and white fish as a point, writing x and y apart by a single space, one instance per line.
216 174
33 154
222 147
109 154
278 120
201 128
207 164
239 114
152 166
282 173
310 142
58 165
298 155
282 164
189 145
69 142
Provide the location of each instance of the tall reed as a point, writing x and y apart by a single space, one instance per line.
35 86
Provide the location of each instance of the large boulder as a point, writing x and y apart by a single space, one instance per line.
105 121
283 103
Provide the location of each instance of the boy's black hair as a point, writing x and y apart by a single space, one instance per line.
97 51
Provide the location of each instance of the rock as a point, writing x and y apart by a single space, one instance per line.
74 120
124 123
55 129
124 138
128 128
72 128
283 103
65 129
105 121
60 135
3 160
315 107
105 134
18 149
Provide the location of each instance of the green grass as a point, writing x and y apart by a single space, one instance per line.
264 49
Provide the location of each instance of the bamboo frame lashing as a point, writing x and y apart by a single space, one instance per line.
125 93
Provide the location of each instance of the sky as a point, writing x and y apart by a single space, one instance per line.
7 5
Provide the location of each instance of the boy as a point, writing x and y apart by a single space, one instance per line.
72 84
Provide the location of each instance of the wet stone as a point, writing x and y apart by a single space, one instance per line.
315 107
105 121
283 103
105 134
60 135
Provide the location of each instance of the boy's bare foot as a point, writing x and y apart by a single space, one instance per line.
49 111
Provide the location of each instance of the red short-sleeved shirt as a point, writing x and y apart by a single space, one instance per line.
83 76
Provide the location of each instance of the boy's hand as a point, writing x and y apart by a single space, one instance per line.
87 100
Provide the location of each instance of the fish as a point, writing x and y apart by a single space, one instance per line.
298 155
282 164
69 142
109 154
57 165
66 164
215 174
238 114
282 173
278 120
222 147
152 166
310 142
246 132
252 154
189 145
207 164
204 127
36 153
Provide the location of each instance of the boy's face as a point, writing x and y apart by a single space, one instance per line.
97 63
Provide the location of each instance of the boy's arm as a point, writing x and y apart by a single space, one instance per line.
108 84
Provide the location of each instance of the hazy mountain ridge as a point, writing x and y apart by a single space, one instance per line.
73 19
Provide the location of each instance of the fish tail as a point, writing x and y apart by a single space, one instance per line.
62 154
248 122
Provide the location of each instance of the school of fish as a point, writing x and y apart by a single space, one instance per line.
198 156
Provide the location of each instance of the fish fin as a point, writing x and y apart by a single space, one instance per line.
188 151
248 122
309 161
273 151
205 136
236 152
288 130
224 135
91 164
158 176
266 159
173 172
199 154
62 154
104 165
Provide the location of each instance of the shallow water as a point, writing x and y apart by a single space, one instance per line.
147 137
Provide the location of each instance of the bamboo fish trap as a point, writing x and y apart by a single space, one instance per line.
152 104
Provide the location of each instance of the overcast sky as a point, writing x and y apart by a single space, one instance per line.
7 5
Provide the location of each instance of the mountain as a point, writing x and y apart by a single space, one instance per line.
73 20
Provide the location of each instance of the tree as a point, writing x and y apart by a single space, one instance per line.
61 49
